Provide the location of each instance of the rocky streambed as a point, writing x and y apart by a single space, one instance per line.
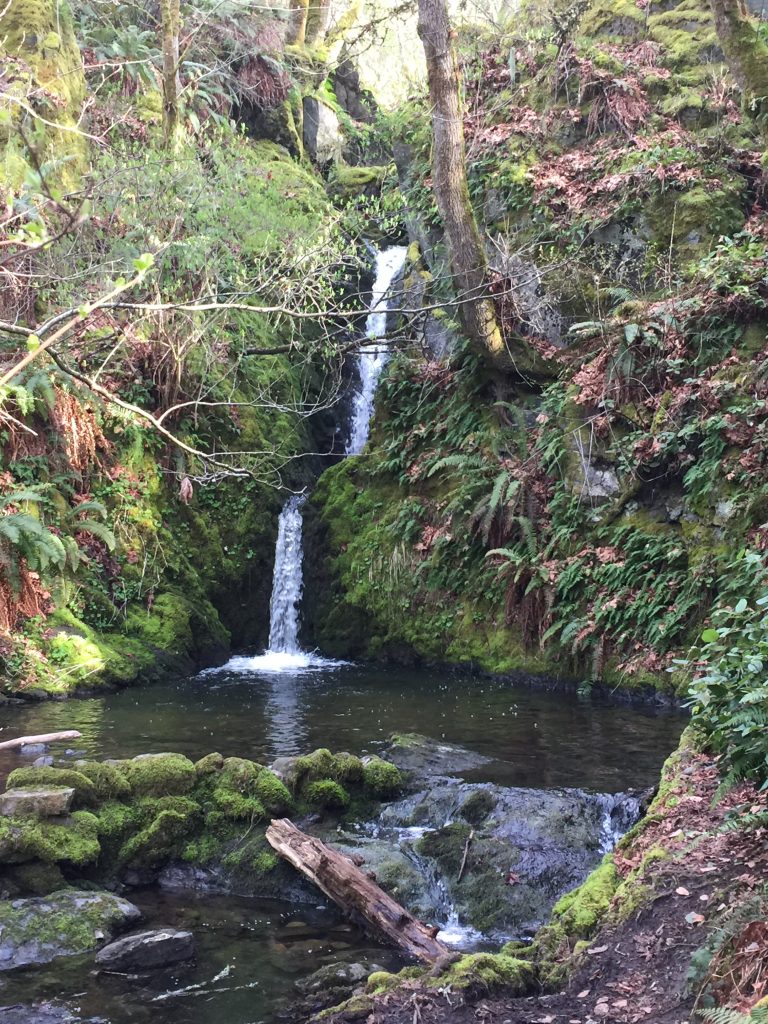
154 846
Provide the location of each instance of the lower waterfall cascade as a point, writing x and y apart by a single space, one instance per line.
284 653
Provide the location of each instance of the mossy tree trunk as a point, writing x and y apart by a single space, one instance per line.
449 178
746 53
170 19
317 22
297 26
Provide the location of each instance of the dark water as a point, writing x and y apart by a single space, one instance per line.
538 738
252 952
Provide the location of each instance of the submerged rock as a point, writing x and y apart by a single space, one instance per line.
425 757
37 930
146 950
42 1013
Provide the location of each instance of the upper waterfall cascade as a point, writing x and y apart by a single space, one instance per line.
284 653
373 358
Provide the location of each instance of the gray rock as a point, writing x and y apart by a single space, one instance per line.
334 976
47 802
36 931
426 757
43 762
323 139
146 950
28 749
42 1013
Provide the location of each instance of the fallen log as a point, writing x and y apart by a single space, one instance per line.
354 891
46 737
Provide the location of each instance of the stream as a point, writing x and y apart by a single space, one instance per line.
537 754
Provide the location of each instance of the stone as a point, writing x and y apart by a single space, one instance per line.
28 749
49 802
411 752
68 922
39 1013
147 950
335 976
323 140
46 761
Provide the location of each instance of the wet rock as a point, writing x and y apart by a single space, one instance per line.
426 757
30 749
42 1013
147 950
37 930
43 762
335 976
49 802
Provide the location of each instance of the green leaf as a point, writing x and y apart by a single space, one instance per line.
709 636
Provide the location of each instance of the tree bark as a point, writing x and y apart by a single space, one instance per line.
170 19
449 181
354 891
317 22
746 53
297 26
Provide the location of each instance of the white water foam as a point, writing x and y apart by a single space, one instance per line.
373 358
279 662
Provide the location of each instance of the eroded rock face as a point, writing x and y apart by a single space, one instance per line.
147 950
40 803
35 931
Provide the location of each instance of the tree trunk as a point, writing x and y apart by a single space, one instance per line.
354 891
170 17
449 178
317 22
297 26
746 53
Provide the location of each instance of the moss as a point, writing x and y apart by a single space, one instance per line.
209 765
483 972
74 841
108 782
273 794
115 821
381 778
327 794
347 182
239 774
32 777
477 807
233 806
580 912
159 774
161 840
446 846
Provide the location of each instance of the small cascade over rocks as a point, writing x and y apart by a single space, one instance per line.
284 655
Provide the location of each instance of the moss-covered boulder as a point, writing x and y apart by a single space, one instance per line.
35 931
158 774
85 793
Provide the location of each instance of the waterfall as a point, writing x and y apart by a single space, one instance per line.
284 655
373 358
287 580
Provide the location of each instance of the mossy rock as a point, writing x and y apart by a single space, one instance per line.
162 839
159 774
35 879
273 795
66 923
211 764
381 778
483 972
581 911
327 794
32 777
477 807
109 783
73 841
445 845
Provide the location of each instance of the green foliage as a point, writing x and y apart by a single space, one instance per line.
728 695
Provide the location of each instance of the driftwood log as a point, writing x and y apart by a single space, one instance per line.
46 737
354 891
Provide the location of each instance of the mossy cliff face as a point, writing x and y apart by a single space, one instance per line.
134 819
578 522
38 40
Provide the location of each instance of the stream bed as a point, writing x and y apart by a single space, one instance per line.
251 952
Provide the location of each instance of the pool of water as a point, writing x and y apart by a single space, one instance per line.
250 956
536 737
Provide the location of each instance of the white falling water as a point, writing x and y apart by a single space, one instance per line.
373 358
287 580
284 655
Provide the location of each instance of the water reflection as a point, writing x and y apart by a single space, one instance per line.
536 738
